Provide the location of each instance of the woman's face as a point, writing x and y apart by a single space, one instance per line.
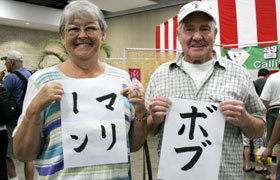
83 37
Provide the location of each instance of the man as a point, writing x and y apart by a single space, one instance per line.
14 62
271 98
3 147
274 139
260 82
3 151
199 74
256 143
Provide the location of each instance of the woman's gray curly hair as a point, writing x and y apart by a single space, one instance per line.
81 8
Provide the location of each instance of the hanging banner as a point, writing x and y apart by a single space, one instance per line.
255 57
135 73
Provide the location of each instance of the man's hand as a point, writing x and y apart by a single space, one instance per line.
159 107
2 74
235 112
265 155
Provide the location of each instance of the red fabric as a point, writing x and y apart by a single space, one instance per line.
158 37
166 35
266 21
272 71
228 23
175 26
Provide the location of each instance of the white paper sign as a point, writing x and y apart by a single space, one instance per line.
93 125
192 141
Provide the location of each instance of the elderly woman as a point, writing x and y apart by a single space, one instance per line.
39 134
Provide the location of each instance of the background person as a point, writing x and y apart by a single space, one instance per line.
271 99
14 62
260 82
274 139
3 146
199 74
3 152
82 29
255 143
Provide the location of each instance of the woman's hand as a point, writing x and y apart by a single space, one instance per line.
137 100
50 92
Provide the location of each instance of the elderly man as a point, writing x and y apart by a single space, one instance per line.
200 74
14 62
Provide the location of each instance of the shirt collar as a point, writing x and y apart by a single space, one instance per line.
178 62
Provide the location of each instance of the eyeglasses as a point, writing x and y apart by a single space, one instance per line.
76 30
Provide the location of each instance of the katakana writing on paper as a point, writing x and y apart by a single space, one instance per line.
93 125
191 141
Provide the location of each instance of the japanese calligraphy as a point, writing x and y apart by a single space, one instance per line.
75 99
197 149
193 115
111 96
191 140
92 121
109 106
270 52
113 134
82 146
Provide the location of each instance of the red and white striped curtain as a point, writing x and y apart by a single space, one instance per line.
166 35
240 23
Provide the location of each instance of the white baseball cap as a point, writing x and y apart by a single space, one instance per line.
195 6
13 55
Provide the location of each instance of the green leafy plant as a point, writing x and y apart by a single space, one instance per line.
107 49
104 47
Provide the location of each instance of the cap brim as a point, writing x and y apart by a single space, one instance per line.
4 58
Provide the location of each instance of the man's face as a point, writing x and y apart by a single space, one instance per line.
197 37
9 64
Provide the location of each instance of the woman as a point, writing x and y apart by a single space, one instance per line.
38 135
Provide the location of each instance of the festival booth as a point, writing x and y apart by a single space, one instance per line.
248 32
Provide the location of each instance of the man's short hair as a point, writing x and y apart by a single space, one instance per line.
263 72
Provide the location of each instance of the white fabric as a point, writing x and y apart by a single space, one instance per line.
247 30
197 71
271 90
196 6
15 178
3 127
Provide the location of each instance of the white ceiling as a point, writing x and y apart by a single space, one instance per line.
121 5
15 13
